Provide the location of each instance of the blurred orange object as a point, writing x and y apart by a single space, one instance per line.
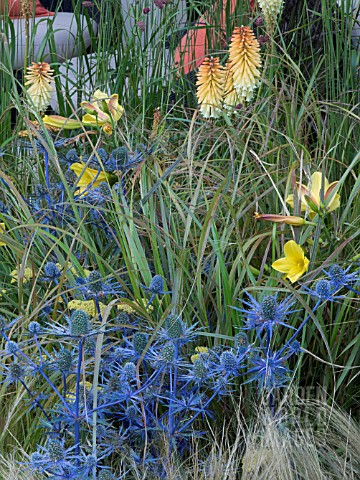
194 45
15 9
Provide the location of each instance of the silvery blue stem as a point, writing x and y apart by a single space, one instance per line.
47 177
35 401
302 325
173 393
77 398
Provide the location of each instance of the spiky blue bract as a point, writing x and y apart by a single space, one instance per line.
269 371
340 277
267 314
94 286
14 373
324 290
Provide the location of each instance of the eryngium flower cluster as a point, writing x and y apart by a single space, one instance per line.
150 385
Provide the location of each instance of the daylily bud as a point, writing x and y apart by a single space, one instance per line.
288 219
312 203
57 121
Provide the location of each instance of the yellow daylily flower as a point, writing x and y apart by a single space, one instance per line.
88 178
310 196
103 111
294 264
57 121
2 230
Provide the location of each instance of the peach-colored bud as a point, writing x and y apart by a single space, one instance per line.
288 219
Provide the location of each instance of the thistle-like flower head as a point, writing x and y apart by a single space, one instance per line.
156 286
245 62
139 342
15 372
79 323
210 91
94 286
34 328
39 81
270 371
339 277
51 272
265 315
64 360
324 290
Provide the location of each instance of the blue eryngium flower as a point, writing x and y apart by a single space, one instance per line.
156 287
56 458
324 290
14 373
95 287
269 371
176 331
341 278
51 272
266 314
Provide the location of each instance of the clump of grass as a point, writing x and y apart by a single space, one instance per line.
323 445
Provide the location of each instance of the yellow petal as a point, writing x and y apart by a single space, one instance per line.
316 184
293 252
99 95
335 201
2 230
294 274
298 271
115 109
334 204
282 265
95 121
77 168
302 191
290 200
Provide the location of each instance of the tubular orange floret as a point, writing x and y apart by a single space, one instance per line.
39 82
210 91
245 61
